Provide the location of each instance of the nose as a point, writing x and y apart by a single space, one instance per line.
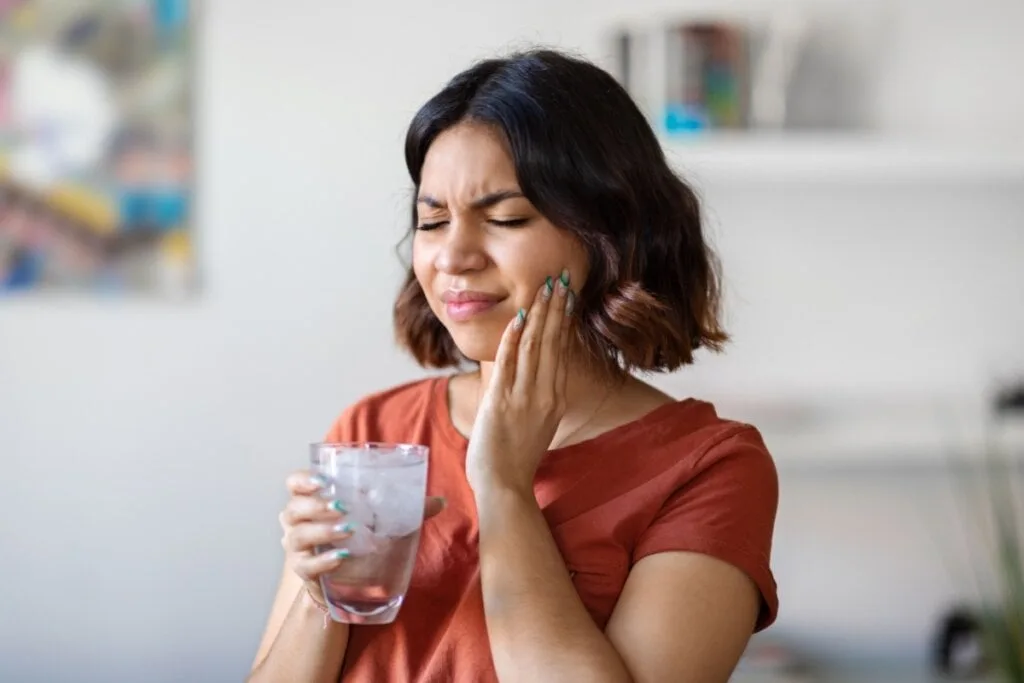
462 249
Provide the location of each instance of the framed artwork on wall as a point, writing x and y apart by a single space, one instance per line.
96 147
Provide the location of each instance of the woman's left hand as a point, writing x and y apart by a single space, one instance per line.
524 401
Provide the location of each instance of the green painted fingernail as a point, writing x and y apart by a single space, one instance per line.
520 318
570 302
338 506
549 288
564 277
346 528
342 554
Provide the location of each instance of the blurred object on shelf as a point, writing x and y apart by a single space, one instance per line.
706 77
770 84
632 64
999 563
96 154
779 67
1004 624
1010 398
958 649
766 658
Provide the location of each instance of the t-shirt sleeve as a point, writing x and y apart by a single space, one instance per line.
725 508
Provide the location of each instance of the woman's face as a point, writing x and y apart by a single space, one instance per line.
481 250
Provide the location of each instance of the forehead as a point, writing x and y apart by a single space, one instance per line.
468 159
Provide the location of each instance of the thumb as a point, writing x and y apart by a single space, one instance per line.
433 505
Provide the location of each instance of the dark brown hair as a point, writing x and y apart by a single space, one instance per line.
587 159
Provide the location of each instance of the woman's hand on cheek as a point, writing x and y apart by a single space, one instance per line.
524 402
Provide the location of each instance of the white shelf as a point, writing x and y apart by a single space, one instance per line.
880 434
839 157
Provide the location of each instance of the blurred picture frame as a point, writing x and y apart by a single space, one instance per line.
97 147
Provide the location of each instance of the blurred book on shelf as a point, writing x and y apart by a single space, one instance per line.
722 73
706 77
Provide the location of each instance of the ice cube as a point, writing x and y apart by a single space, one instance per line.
398 508
361 542
388 500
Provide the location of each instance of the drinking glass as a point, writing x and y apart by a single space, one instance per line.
382 487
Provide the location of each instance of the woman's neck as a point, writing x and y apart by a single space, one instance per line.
595 401
582 385
588 395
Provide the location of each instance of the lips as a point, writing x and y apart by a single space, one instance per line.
462 305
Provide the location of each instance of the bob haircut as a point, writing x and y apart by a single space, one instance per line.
588 160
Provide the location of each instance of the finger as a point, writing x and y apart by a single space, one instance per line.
305 483
433 506
306 537
309 509
562 373
504 371
310 567
551 343
530 343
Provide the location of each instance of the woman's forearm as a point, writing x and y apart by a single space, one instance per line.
538 627
304 651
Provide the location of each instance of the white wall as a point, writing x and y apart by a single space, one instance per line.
144 443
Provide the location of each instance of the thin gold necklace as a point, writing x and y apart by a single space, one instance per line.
594 414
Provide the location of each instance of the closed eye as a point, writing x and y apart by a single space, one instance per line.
510 223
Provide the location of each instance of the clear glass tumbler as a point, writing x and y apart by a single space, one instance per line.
383 488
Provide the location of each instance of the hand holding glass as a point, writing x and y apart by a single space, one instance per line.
382 489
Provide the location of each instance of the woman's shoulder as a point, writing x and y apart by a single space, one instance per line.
377 416
690 425
717 464
687 441
718 496
695 428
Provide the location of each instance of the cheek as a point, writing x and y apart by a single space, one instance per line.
545 253
572 254
423 268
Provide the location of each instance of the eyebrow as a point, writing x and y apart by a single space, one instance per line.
487 200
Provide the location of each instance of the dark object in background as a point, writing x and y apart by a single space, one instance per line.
1010 399
959 648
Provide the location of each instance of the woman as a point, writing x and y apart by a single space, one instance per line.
595 529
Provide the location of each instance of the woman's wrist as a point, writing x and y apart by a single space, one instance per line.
495 497
312 604
488 483
313 600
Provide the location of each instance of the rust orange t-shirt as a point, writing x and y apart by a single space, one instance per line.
680 478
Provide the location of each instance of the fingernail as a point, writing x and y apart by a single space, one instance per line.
319 481
563 283
570 303
520 319
549 287
342 554
338 506
346 528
